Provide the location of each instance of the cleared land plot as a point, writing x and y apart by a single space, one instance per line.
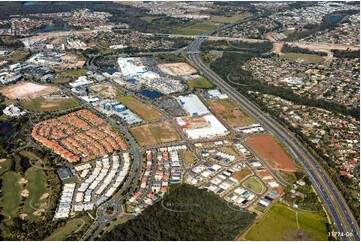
242 174
72 61
307 58
272 151
146 112
106 90
281 223
27 90
194 29
61 233
37 187
155 133
234 18
231 113
11 197
177 69
201 82
254 184
49 104
188 158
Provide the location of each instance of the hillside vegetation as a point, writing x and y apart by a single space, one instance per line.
204 216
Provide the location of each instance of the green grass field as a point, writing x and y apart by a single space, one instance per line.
308 58
64 231
61 80
37 186
5 165
254 184
73 73
194 29
281 223
149 19
18 55
11 198
232 19
202 83
49 105
144 111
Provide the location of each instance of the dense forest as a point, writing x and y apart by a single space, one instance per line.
234 71
246 47
295 49
346 54
205 216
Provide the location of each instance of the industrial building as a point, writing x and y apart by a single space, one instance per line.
192 105
211 127
216 94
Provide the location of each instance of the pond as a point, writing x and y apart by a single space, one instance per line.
25 163
28 3
333 18
49 28
109 70
6 129
151 93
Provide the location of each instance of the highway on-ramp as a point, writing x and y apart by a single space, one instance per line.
342 216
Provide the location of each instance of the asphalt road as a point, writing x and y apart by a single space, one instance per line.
331 197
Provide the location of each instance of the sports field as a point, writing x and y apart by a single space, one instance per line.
154 133
254 184
231 113
49 104
271 151
307 58
144 111
284 223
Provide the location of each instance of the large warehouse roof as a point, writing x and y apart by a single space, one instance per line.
215 128
193 105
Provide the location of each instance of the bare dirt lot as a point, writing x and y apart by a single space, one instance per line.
72 61
155 133
27 90
106 90
177 69
272 152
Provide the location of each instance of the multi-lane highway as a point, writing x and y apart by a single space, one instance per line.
342 217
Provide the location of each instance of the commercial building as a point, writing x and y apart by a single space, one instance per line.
210 127
192 105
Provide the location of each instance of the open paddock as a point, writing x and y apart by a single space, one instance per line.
144 111
49 104
155 133
27 90
231 113
271 151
